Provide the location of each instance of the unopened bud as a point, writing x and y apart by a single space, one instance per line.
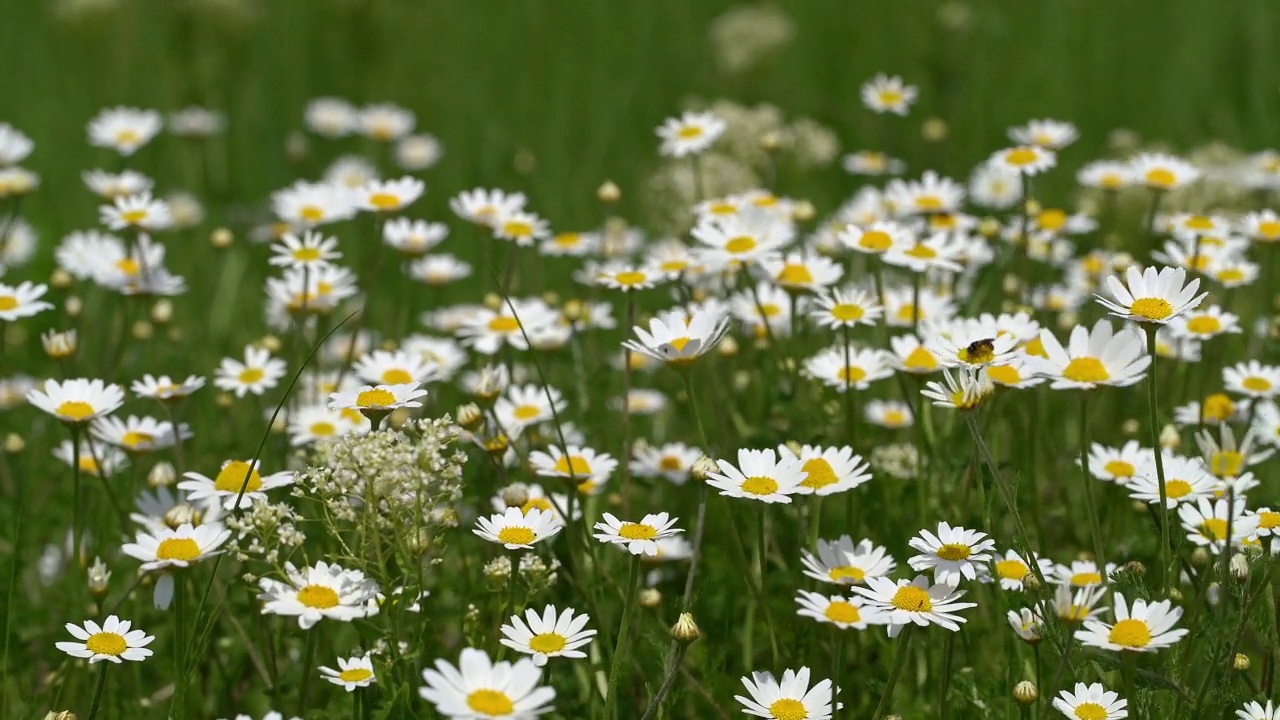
1176 594
1031 583
1200 557
59 345
649 598
934 129
1130 426
1135 567
989 227
226 401
420 542
1240 662
728 347
685 630
162 311
14 444
73 306
99 579
771 142
470 416
161 475
515 495
222 238
1031 207
181 514
1170 439
296 146
1239 567
270 343
1138 506
574 310
1026 692
142 330
1011 284
64 715
608 192
61 279
493 301
803 211
703 467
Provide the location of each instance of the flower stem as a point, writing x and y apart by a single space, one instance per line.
899 664
77 511
179 708
1156 450
626 410
308 664
946 676
97 692
837 665
621 646
1089 504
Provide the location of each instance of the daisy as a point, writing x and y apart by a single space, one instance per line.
939 251
788 700
377 400
761 475
480 689
397 367
679 339
641 401
1205 323
843 612
1253 379
1152 296
797 273
309 251
1027 624
439 270
515 529
672 461
964 391
970 343
1051 134
1015 373
14 145
888 94
413 237
488 330
386 196
1206 523
136 211
235 479
1082 573
1094 357
112 641
628 277
903 310
1186 480
174 548
527 405
748 236
353 672
307 204
22 300
443 353
77 402
845 308
1216 409
331 117
1140 627
1027 160
1075 606
535 497
94 461
592 469
571 244
123 129
484 207
1012 570
1091 702
892 414
522 228
876 238
548 635
638 538
862 367
1261 226
258 373
932 193
1256 711
841 562
952 553
1106 175
315 593
138 434
418 152
830 470
1226 459
312 424
1118 465
910 355
165 389
384 121
915 602
1162 172
196 122
112 185
689 134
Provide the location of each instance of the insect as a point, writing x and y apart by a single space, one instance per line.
979 351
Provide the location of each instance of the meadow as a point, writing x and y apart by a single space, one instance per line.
638 360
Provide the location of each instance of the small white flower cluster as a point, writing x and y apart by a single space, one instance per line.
537 573
897 461
263 529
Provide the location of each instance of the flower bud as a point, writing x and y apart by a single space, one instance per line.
1031 583
1135 567
649 598
934 130
1200 557
493 301
222 238
1130 426
1026 692
771 142
1240 662
59 345
1239 567
1170 439
1176 594
270 343
989 227
515 495
14 444
141 330
803 211
685 630
702 467
728 347
73 306
161 475
99 579
61 279
162 311
608 192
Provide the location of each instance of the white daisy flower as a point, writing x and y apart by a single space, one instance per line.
679 339
830 470
1186 480
124 129
521 227
1091 702
1012 570
309 251
1257 711
307 205
353 672
1205 323
964 391
971 343
480 689
378 398
876 238
1162 172
910 355
689 134
863 367
748 236
575 463
315 593
95 460
843 612
1253 379
870 162
236 478
1207 520
1140 627
413 237
394 367
791 699
915 602
526 405
800 273
484 207
418 152
110 186
1100 356
331 117
1106 175
1118 465
136 211
387 196
1026 160
1027 624
518 530
939 251
671 461
78 401
845 308
891 414
258 373
317 423
138 435
165 388
628 277
932 193
113 641
841 562
22 300
384 122
1151 296
14 145
551 634
761 475
488 330
952 553
1051 134
1076 605
439 270
638 538
888 94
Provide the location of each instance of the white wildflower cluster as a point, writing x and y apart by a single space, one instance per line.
537 573
897 461
747 36
263 530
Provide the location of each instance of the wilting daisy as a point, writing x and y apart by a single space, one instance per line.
841 562
1027 624
1100 356
965 390
1075 605
829 470
678 339
1253 379
548 635
1052 134
760 475
258 373
123 129
518 530
1118 465
22 300
236 478
576 463
845 308
888 94
388 196
915 602
1162 172
1206 522
639 538
353 672
843 612
1152 296
113 641
689 134
792 699
1140 627
952 553
1091 702
1186 480
315 593
1025 159
480 689
79 401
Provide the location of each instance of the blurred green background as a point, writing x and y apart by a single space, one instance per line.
579 85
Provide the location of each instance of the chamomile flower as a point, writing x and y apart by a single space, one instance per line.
113 185
689 134
439 270
331 117
381 398
353 672
932 193
671 461
915 602
570 244
798 273
413 237
787 700
1012 569
902 310
136 211
258 373
78 401
760 475
308 425
910 355
123 129
443 353
1162 172
843 612
877 238
515 529
952 553
1217 408
1186 481
537 498
521 227
384 121
418 152
579 463
863 367
888 94
309 251
1152 296
14 145
526 405
138 435
639 538
165 388
970 343
1205 323
939 251
1118 465
1226 459
388 196
22 300
310 204
845 308
627 277
679 339
1257 711
1252 379
1051 134
1106 175
965 390
1206 523
484 207
1100 356
394 367
320 592
1083 573
236 478
841 562
95 460
480 689
174 549
1091 702
488 330
830 470
551 634
1075 605
891 414
748 236
1026 160
112 641
1139 627
1027 623
1262 226
872 163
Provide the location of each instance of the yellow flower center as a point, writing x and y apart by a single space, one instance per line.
1198 222
106 643
1021 156
184 549
847 312
88 465
1256 384
396 376
539 503
493 703
788 709
846 574
504 324
384 201
921 360
354 675
306 254
795 274
526 412
322 429
1110 181
722 208
842 612
875 240
673 266
912 599
1269 229
232 476
890 97
250 375
566 240
1268 519
517 228
75 410
1086 370
1052 219
127 136
895 418
740 244
375 398
1012 569
760 485
1214 529
1130 633
1218 407
134 217
320 597
574 465
630 278
1085 579
8 302
922 251
1160 178
1151 308
1004 374
820 474
1121 469
689 132
1177 488
1090 711
670 463
851 374
311 213
1226 463
516 535
547 643
637 531
134 440
954 551
929 202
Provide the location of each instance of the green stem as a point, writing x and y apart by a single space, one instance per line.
761 550
837 666
621 646
1089 504
899 663
308 665
626 411
815 519
77 510
178 710
946 676
97 692
1165 572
